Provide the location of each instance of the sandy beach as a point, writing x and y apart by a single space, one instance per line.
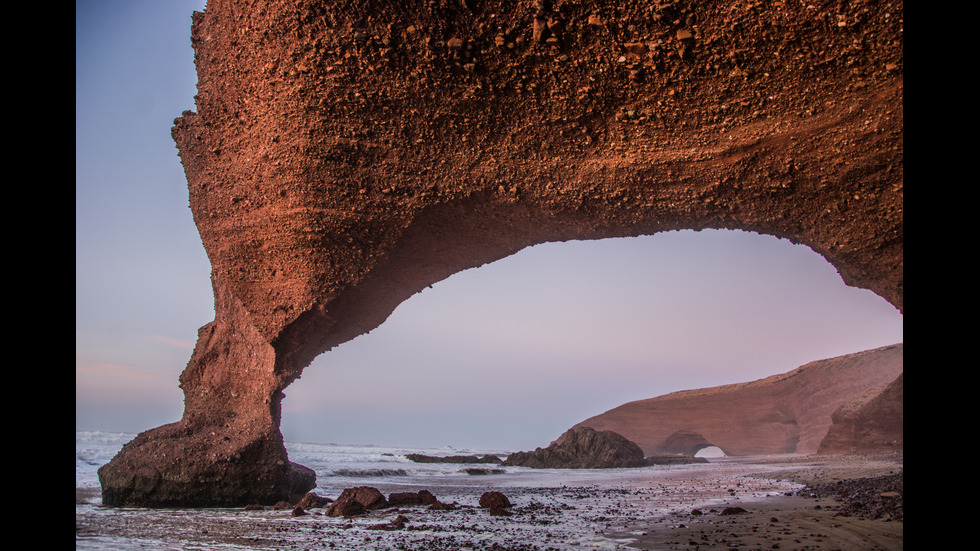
852 518
575 515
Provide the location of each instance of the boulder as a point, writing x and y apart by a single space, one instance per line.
356 501
313 501
494 500
422 497
582 448
397 524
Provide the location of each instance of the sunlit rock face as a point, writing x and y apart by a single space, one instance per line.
345 155
788 413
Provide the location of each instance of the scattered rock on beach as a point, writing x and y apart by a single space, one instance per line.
397 524
494 500
440 506
733 511
355 501
422 497
313 501
879 497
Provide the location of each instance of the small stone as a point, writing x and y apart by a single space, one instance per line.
636 48
455 43
539 30
684 34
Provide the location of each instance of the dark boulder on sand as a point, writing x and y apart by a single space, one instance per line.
356 501
422 497
313 501
397 524
496 502
582 448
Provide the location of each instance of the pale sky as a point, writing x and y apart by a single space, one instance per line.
506 356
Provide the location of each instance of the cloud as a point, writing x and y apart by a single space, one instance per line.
98 369
170 341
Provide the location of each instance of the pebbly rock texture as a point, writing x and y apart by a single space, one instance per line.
787 413
877 497
582 448
345 155
874 423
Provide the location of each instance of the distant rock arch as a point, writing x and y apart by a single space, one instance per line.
684 442
345 155
823 405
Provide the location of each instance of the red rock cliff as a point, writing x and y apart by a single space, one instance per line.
787 413
344 155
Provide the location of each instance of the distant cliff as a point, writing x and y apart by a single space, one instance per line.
871 424
788 413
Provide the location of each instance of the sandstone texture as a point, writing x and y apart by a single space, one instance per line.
874 423
345 155
582 448
788 413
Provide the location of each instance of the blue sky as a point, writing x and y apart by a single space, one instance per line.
505 356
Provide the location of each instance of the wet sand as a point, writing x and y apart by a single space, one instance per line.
577 516
794 522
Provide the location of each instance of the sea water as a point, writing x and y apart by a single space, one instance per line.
553 509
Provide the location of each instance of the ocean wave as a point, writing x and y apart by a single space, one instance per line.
368 473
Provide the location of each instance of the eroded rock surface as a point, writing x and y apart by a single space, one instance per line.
345 155
582 448
787 413
874 423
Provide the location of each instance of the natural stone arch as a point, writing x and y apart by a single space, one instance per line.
345 155
711 449
685 442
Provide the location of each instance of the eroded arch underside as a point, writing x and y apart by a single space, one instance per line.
345 155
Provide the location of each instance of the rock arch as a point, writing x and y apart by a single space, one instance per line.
685 442
344 155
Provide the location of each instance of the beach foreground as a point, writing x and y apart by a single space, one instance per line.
552 509
853 508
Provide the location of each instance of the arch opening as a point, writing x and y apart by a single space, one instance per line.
561 331
711 452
